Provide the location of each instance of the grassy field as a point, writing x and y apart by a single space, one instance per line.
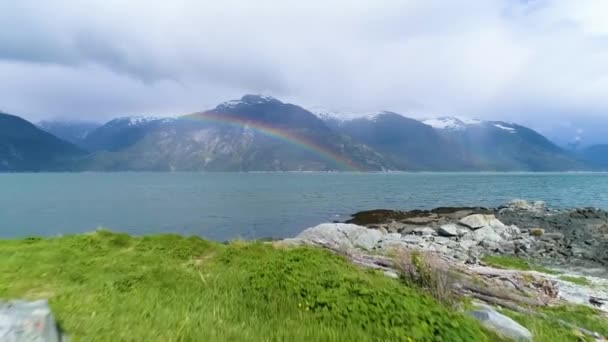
113 287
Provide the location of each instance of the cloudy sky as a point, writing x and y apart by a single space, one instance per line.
539 62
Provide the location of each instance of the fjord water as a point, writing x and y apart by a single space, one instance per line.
223 206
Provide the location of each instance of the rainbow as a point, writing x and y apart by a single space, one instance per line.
280 134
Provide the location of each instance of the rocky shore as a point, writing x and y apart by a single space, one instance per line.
575 237
572 243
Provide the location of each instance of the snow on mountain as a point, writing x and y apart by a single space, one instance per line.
345 115
247 100
140 120
451 122
505 128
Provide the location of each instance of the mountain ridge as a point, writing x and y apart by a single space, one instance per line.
262 133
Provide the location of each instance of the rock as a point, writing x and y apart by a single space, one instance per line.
490 245
394 227
500 323
486 234
522 205
476 221
552 236
422 220
536 232
342 235
411 239
448 230
466 244
425 231
28 321
392 236
441 240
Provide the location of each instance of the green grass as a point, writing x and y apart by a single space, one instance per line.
545 330
113 287
576 280
515 263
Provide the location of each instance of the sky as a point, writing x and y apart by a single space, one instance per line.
542 63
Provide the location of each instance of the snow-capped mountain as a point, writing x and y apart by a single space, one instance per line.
500 145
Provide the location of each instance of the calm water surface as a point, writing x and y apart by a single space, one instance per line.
223 206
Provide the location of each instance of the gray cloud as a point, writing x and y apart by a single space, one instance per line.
528 61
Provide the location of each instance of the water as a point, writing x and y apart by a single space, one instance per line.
223 206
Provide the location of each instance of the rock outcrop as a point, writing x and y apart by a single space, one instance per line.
576 237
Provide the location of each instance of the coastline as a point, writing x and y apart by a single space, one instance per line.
493 293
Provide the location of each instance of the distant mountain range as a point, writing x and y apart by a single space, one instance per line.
261 133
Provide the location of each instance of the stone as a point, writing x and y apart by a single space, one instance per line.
507 247
440 240
466 244
341 235
388 245
425 231
552 236
448 230
463 231
28 321
392 236
421 220
394 227
412 239
490 245
499 323
476 221
523 205
486 234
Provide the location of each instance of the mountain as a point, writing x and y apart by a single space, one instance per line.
408 143
72 131
121 133
255 133
25 147
596 156
504 146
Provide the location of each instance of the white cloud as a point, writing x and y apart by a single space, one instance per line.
527 61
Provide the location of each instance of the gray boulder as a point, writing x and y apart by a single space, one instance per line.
342 235
477 221
500 323
486 234
448 230
28 321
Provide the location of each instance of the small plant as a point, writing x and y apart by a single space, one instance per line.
427 271
537 232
